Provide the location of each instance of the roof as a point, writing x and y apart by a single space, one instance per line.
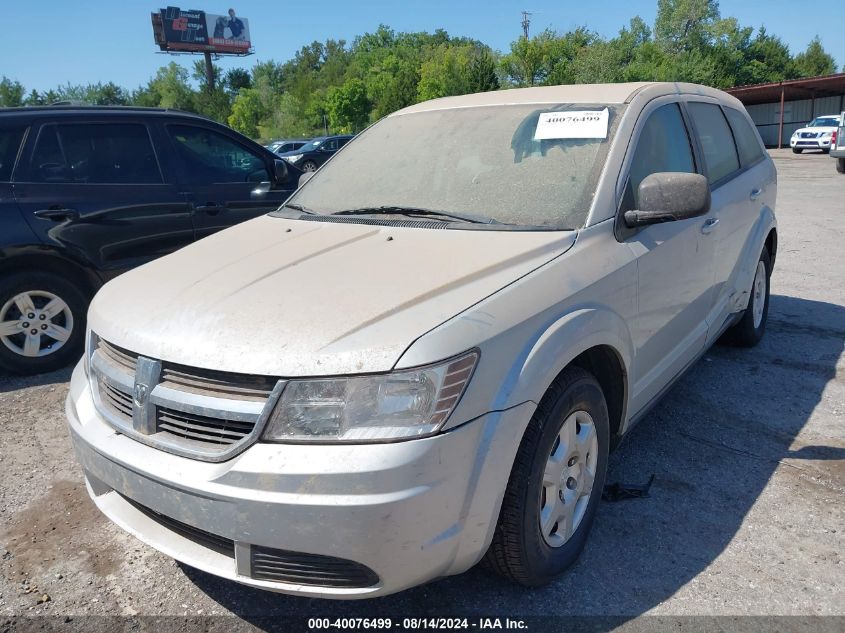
52 110
792 89
571 93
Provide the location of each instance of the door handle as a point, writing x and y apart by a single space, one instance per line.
709 225
755 193
57 213
210 208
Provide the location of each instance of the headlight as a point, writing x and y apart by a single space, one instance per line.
399 405
294 158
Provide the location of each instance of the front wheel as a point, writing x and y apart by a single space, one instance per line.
840 165
797 150
42 322
751 327
309 165
555 484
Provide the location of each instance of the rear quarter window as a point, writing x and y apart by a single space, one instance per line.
747 143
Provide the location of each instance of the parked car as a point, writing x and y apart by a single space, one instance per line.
313 154
282 146
425 356
837 144
817 134
87 193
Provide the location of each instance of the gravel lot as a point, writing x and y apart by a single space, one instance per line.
746 515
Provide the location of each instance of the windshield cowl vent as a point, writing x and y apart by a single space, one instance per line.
411 224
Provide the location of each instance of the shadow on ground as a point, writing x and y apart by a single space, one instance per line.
713 444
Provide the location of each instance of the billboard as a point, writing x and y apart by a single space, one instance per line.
196 31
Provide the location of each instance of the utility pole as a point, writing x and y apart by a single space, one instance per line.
526 22
209 71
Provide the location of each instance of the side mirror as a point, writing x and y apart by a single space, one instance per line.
305 177
280 171
670 196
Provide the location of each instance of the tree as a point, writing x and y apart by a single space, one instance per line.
681 25
11 93
814 61
235 79
348 107
482 72
248 112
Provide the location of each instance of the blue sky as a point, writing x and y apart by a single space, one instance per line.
52 42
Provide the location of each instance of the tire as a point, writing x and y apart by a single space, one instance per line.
825 150
749 330
840 165
309 165
797 150
521 550
24 353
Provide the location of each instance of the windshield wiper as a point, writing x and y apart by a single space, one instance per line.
299 207
397 210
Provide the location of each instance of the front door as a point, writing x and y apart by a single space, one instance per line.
225 181
674 261
96 189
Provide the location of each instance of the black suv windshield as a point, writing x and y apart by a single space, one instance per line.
519 165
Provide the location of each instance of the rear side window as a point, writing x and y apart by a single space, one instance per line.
10 143
95 153
663 145
716 140
746 139
207 157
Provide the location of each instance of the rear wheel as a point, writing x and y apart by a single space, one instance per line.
555 484
751 327
42 322
840 165
797 150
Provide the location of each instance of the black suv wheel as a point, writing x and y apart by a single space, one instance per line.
42 322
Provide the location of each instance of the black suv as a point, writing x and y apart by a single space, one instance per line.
316 152
87 193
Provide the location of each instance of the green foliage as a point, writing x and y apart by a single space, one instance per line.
11 93
335 86
347 106
814 61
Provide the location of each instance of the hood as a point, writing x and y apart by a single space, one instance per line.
284 297
818 128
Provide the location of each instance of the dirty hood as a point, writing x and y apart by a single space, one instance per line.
296 298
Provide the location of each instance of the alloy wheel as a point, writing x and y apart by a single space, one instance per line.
759 292
35 323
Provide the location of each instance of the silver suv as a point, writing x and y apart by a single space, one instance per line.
424 357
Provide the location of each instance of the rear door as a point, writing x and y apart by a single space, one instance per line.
740 181
95 187
224 180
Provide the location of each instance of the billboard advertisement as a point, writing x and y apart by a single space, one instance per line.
193 30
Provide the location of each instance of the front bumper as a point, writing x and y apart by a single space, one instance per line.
408 511
810 143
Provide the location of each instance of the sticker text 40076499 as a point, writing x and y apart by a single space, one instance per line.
584 124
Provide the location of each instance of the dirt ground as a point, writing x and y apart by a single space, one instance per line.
746 515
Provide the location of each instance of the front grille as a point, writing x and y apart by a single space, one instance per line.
219 544
193 412
309 569
202 428
217 383
119 402
122 358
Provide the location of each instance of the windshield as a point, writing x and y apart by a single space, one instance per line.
524 165
825 121
312 145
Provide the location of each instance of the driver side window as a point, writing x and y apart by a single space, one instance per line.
663 145
207 157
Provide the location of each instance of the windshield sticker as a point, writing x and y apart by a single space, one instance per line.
581 124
